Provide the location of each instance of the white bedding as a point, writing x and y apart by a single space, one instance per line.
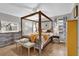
43 41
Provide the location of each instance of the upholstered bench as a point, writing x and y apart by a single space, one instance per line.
28 45
24 42
21 41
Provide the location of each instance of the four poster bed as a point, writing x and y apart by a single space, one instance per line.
41 39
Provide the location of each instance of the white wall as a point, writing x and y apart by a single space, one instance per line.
10 18
46 25
13 19
27 27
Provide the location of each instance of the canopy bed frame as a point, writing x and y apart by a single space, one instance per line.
40 14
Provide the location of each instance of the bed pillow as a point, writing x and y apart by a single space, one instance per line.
45 37
33 38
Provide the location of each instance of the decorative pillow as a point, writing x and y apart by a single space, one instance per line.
24 40
33 38
45 37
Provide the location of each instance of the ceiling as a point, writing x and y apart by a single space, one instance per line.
22 9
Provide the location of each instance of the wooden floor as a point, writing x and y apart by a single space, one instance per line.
52 49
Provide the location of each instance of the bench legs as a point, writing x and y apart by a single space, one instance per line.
28 51
34 49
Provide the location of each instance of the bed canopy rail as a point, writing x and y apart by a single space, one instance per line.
40 14
35 14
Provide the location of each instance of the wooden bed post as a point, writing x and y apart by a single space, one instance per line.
39 26
21 27
52 26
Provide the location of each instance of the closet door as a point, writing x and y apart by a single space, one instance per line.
72 37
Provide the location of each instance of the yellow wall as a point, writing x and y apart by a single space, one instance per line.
72 37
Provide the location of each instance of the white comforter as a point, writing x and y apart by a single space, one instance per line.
43 41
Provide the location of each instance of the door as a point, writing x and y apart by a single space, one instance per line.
72 37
